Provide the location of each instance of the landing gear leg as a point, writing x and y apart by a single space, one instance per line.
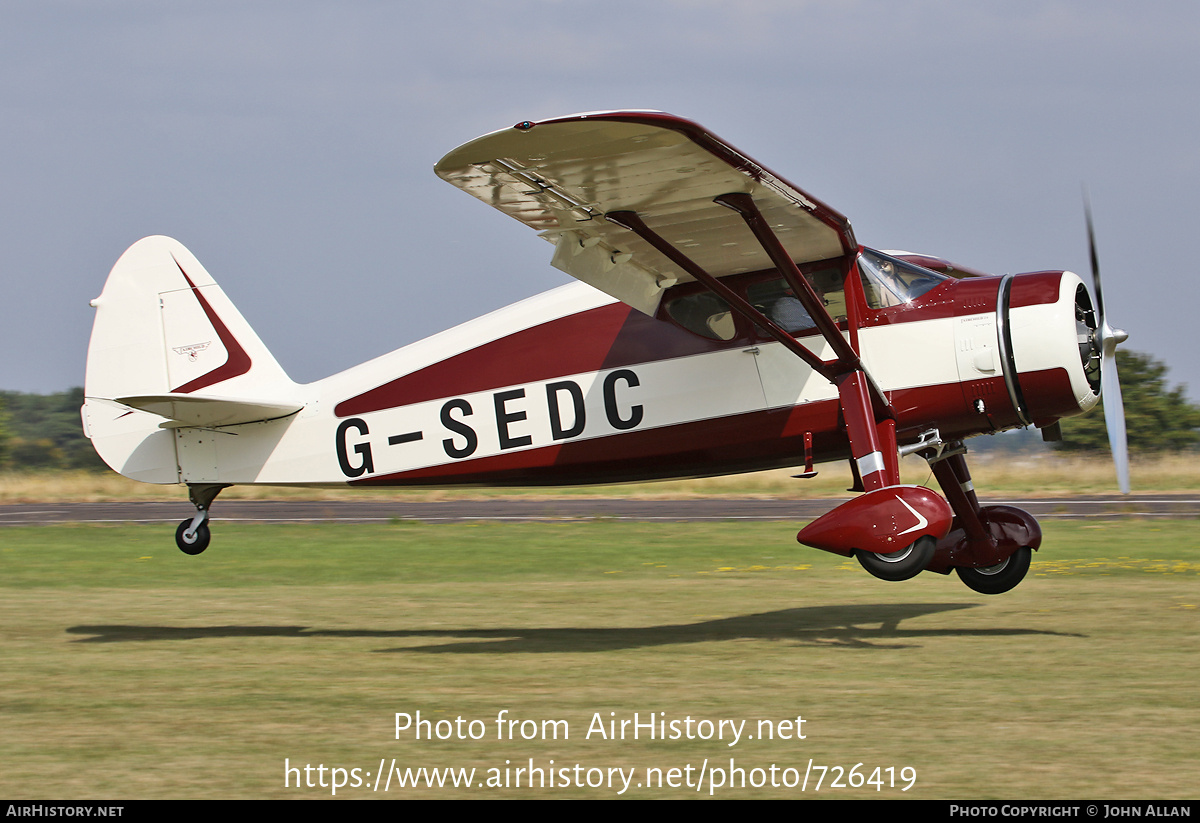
989 547
193 535
950 469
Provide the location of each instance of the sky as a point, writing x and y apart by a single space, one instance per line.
290 146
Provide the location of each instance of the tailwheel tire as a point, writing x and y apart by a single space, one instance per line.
900 565
198 542
999 578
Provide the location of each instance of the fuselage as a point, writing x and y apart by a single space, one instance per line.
573 387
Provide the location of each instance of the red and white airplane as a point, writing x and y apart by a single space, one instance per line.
725 321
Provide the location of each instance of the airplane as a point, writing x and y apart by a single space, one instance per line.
724 321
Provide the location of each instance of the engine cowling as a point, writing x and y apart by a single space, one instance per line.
1045 327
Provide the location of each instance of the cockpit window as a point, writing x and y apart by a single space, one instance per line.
775 299
705 314
891 282
708 315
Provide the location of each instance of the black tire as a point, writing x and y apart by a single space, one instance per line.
198 543
999 578
901 565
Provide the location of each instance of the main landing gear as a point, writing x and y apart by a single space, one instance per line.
982 564
990 547
897 531
193 534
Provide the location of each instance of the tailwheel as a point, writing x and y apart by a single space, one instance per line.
900 565
192 541
193 535
999 578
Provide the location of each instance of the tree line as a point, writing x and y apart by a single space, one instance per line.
1158 418
44 432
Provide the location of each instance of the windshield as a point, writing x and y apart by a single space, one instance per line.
891 282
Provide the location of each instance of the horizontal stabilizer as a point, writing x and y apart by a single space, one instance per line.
192 410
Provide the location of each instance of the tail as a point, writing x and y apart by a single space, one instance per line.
168 352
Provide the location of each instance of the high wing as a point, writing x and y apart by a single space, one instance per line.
636 202
562 177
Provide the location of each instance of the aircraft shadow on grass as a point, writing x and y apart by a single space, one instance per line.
864 627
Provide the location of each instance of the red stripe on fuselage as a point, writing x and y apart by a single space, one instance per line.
606 337
753 441
973 295
723 445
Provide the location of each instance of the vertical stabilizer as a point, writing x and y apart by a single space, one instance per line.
164 328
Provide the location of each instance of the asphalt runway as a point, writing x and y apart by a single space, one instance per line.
1099 507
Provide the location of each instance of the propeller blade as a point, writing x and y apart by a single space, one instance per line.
1106 342
1087 213
1114 419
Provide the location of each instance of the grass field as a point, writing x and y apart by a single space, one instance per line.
132 671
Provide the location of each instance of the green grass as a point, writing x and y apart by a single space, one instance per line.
133 671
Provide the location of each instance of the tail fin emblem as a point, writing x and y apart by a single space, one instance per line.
192 352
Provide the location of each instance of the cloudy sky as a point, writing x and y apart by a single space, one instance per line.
290 146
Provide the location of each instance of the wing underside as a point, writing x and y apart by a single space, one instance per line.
562 177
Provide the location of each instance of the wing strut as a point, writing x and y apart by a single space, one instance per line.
743 204
870 420
630 220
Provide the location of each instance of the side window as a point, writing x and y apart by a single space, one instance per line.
705 314
831 288
774 298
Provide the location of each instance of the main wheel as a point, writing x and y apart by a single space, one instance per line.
901 565
999 578
199 541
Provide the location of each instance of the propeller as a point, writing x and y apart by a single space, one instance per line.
1104 343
